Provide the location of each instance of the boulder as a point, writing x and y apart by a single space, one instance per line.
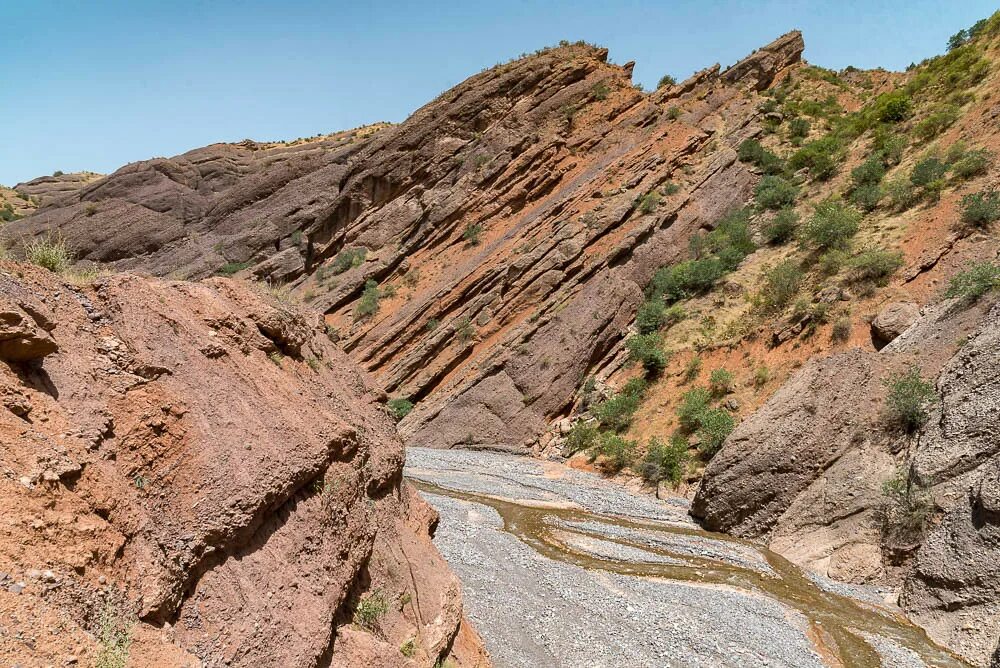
892 321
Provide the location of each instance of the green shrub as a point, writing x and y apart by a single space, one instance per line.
981 209
619 452
908 400
600 91
368 304
647 349
472 234
694 404
666 80
867 197
688 278
616 411
781 283
927 171
582 436
673 113
399 408
900 193
781 228
752 152
464 330
692 369
820 157
874 264
49 252
231 268
649 202
841 330
869 172
761 376
832 226
936 122
348 259
669 188
774 192
972 163
715 425
114 634
893 107
720 382
975 281
731 240
674 314
650 316
906 506
798 128
408 648
831 262
665 461
890 147
372 607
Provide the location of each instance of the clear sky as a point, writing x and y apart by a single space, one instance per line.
99 83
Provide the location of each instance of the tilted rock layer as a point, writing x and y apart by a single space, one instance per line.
200 465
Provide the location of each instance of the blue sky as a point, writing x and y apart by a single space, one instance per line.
97 84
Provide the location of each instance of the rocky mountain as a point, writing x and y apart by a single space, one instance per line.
768 288
183 464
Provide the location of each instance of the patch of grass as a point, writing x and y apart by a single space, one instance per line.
874 264
692 369
974 281
832 226
432 324
399 408
231 268
981 210
114 634
798 129
49 252
368 304
721 382
372 607
673 113
906 406
665 461
841 331
761 376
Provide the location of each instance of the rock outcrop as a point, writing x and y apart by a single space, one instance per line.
511 225
806 473
195 466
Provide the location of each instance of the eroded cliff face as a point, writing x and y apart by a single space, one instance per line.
511 225
197 466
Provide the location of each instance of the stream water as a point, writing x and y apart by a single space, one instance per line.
842 629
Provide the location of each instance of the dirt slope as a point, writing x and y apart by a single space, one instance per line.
184 464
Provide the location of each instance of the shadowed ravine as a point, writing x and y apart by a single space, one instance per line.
536 506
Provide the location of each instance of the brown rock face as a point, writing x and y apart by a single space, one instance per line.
200 460
805 473
511 225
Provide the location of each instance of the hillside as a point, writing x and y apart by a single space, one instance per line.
767 289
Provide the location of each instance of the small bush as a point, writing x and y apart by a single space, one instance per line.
972 164
399 408
774 192
832 226
600 91
981 209
688 278
936 122
908 399
890 147
841 331
464 330
472 234
665 461
582 436
906 506
49 252
673 315
798 128
114 634
752 152
720 382
348 259
693 369
694 404
820 157
760 376
232 268
900 193
371 609
408 648
619 452
616 411
867 197
781 283
649 202
646 349
975 281
870 172
781 228
666 80
874 264
927 171
650 316
368 304
716 425
893 107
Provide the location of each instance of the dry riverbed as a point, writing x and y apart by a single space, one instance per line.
564 569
